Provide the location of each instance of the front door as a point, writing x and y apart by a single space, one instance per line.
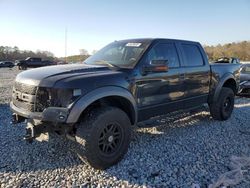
156 91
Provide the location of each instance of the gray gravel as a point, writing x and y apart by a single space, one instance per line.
183 150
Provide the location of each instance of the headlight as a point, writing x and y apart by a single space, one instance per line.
51 97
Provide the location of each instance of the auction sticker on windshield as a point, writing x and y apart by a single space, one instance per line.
133 44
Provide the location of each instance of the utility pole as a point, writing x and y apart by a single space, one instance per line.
65 44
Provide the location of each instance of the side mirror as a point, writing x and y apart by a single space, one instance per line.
156 66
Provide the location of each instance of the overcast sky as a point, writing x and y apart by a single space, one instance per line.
91 24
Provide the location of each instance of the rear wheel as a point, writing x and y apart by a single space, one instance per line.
223 107
103 137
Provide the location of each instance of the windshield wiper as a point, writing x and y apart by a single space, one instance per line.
103 62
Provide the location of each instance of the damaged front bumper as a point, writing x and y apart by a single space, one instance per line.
50 114
52 119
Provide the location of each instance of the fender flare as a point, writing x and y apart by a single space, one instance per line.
97 94
220 85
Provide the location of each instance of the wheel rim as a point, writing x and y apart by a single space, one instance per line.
110 139
227 104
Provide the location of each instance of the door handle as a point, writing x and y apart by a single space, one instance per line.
182 76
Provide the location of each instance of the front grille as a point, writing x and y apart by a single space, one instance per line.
18 101
36 99
25 88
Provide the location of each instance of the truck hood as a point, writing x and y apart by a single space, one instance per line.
38 76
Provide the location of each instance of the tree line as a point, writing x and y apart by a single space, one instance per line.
75 58
8 53
240 50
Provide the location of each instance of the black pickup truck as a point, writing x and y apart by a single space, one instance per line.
96 103
32 62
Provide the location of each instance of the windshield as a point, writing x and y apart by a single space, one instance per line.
124 54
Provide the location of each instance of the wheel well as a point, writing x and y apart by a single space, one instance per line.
115 101
230 83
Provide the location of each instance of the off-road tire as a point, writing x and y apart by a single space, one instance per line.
223 107
90 134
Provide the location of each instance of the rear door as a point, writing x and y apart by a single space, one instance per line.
197 73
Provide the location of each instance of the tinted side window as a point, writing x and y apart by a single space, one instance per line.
193 55
163 51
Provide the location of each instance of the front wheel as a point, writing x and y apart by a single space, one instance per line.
103 137
223 107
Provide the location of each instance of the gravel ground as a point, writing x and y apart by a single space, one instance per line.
184 150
